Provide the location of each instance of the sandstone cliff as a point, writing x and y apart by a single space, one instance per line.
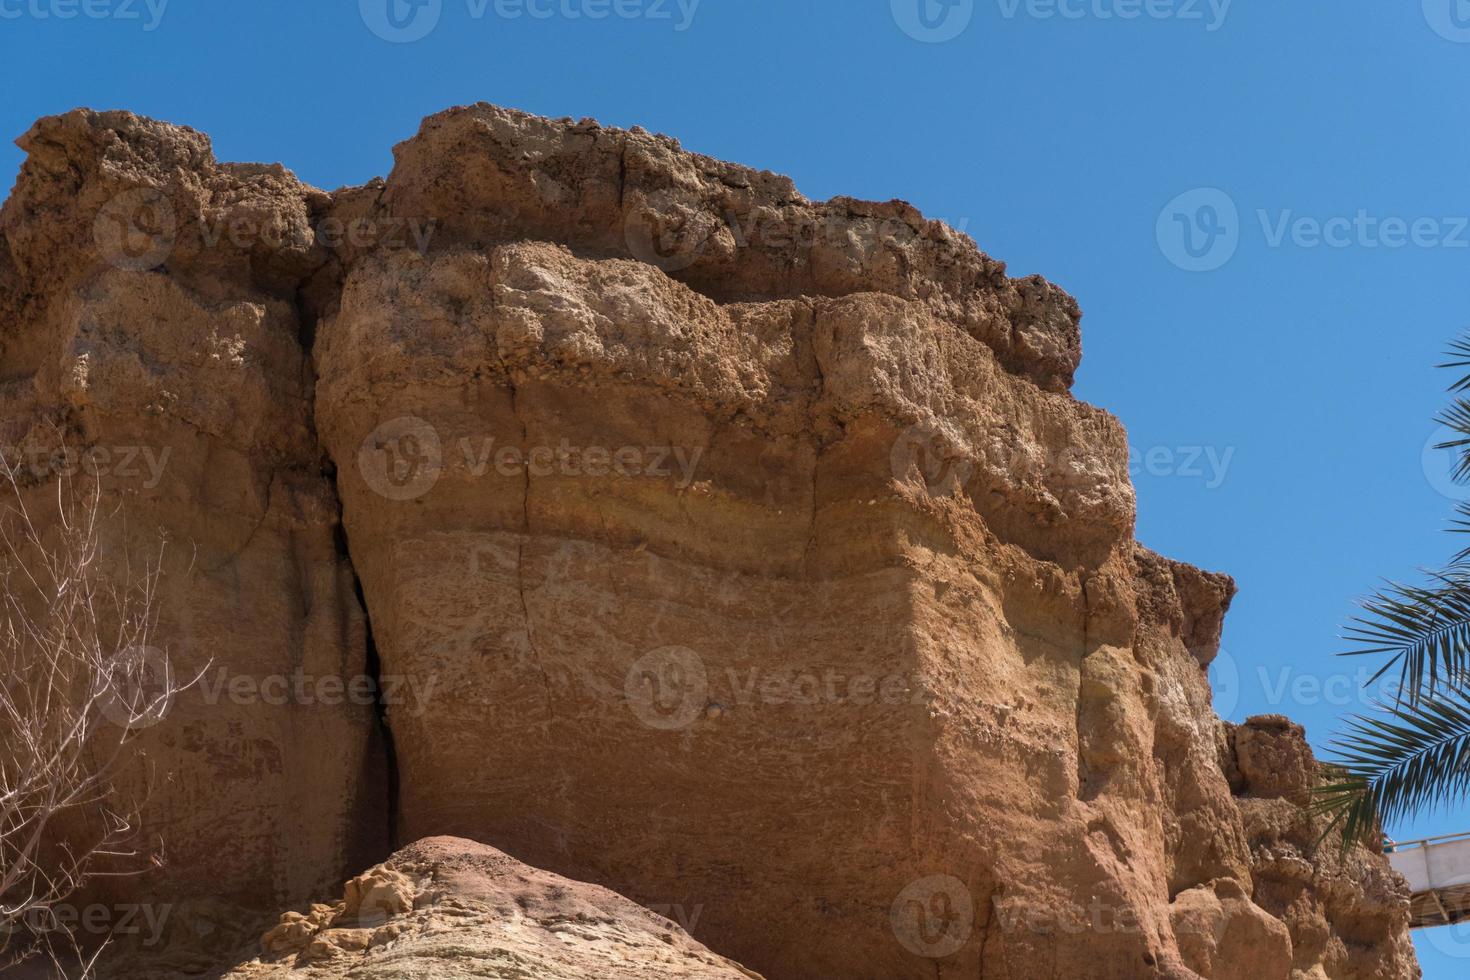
729 550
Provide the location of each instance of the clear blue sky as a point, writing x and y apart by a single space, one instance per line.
1301 370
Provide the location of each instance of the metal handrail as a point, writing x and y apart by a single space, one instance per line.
1394 846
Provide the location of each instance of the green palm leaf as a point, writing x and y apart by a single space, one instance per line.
1459 354
1424 629
1460 524
1413 754
1405 759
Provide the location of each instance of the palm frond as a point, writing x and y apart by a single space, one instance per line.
1405 759
1459 353
1460 524
1414 754
1456 418
1424 629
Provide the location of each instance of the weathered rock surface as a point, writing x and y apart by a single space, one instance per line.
743 554
171 367
449 908
1344 912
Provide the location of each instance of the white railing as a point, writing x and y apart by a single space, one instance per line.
1438 872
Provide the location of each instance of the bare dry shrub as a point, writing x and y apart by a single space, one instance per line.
79 677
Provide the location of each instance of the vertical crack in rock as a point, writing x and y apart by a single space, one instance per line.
525 539
817 440
373 667
1083 770
307 322
622 174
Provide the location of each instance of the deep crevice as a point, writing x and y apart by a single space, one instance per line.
373 667
525 539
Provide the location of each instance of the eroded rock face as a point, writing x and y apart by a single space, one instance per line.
138 347
445 907
488 175
1345 912
743 554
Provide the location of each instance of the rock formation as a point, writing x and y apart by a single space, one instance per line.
729 550
181 381
453 908
1343 911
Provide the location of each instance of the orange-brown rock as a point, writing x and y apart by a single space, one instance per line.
453 908
142 344
736 552
1345 911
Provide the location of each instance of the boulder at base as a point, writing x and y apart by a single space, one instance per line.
446 907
